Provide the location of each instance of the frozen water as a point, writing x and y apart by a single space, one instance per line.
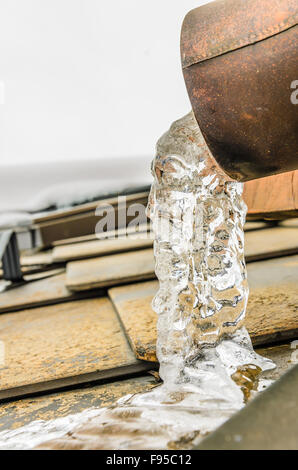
207 363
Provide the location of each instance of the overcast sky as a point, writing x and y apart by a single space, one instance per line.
88 78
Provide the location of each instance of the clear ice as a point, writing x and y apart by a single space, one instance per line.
198 215
207 363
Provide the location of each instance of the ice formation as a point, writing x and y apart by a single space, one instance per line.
207 363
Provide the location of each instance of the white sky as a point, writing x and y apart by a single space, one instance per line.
88 79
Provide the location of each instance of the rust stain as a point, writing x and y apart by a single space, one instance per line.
216 28
63 340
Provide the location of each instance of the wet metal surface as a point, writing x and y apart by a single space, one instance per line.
269 422
18 413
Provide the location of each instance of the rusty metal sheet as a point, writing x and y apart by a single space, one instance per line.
110 270
66 344
101 247
274 197
15 414
272 312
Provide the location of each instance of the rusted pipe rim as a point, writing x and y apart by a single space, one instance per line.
239 60
220 27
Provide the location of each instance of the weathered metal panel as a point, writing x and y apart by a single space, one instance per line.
62 345
117 233
82 220
36 259
133 304
110 270
272 312
135 265
18 413
36 293
100 247
139 265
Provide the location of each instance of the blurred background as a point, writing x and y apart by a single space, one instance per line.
86 88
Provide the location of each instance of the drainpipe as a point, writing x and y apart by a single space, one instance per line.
239 60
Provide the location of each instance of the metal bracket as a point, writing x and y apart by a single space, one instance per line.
10 257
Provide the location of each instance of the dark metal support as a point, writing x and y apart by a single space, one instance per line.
10 257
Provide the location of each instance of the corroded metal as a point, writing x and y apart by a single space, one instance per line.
263 203
14 414
239 61
63 345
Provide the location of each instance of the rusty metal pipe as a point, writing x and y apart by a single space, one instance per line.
239 60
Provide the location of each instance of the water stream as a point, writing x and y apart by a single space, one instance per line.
207 363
